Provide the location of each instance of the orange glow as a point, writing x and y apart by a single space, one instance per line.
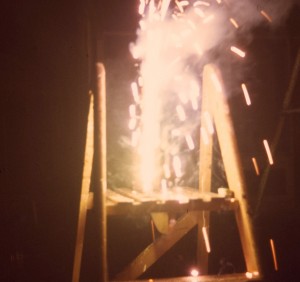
274 254
238 51
246 94
264 14
255 166
268 151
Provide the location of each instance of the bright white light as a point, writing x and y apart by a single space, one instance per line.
194 272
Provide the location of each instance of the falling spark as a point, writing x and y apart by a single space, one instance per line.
264 14
140 81
135 92
274 254
255 166
204 135
208 19
206 240
198 3
164 185
177 166
234 23
268 151
190 142
142 7
238 51
180 112
164 8
209 123
132 110
167 171
135 138
199 12
132 123
246 94
180 7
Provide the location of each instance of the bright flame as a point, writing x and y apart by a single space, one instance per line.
268 151
238 51
246 94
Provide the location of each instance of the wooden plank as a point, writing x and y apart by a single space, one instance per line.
237 277
154 251
84 196
205 171
232 164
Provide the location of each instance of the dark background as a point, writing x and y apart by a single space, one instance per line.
47 50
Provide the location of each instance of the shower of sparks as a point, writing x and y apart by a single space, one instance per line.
264 14
206 240
255 166
174 37
268 151
246 94
238 51
274 254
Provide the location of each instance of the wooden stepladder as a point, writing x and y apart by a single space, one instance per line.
215 115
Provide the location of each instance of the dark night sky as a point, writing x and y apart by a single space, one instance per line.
43 109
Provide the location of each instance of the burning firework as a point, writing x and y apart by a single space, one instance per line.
175 40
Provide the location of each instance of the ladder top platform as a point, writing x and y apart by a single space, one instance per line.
182 199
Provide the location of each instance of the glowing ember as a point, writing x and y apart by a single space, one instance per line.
268 151
238 51
246 94
255 166
234 23
194 272
264 14
190 142
177 166
135 92
274 254
206 240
